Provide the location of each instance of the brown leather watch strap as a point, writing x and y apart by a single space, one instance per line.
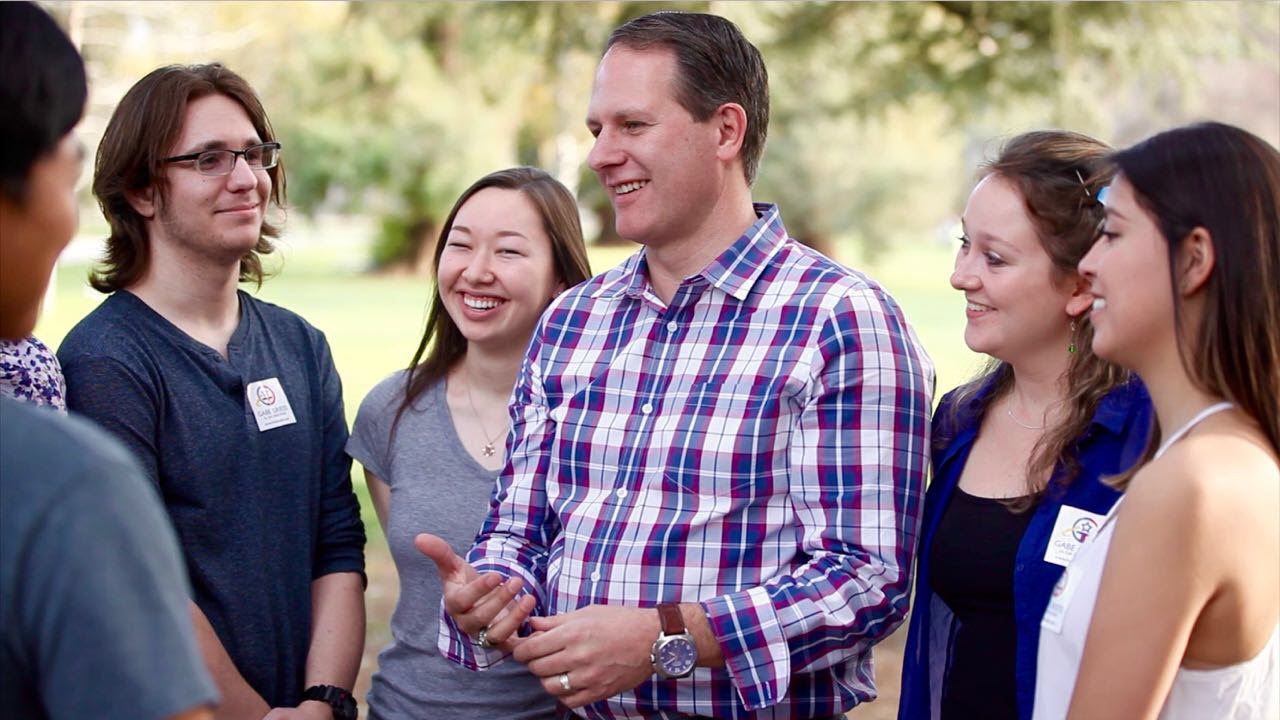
671 618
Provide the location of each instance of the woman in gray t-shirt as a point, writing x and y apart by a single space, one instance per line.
430 438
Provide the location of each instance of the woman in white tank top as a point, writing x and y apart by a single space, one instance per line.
1170 609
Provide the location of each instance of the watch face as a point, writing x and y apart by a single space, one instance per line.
677 655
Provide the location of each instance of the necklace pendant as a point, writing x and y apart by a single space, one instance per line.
487 450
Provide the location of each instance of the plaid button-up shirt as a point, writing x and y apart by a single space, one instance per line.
758 445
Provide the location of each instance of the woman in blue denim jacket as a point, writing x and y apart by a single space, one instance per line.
1018 453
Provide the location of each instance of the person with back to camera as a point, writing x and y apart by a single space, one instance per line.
718 448
1170 610
92 586
430 438
1020 452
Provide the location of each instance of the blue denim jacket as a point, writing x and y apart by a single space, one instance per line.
1115 439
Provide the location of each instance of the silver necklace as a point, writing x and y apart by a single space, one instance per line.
1008 410
488 450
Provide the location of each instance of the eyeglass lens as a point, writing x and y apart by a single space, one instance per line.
221 162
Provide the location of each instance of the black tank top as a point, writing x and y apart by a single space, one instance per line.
971 568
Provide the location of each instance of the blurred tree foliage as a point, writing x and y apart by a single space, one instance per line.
878 110
882 93
419 100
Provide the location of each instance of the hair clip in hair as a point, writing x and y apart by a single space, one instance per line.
1083 184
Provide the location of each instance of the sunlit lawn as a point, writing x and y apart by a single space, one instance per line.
373 323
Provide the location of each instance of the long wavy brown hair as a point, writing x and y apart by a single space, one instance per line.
1058 174
1227 181
442 344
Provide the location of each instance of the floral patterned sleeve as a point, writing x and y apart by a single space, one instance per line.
29 371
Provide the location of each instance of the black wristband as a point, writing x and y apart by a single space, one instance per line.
342 702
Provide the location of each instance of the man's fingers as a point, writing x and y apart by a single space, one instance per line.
450 566
541 644
508 622
579 698
515 641
574 696
462 599
486 607
475 604
549 622
544 666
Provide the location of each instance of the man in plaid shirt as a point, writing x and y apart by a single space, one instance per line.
718 448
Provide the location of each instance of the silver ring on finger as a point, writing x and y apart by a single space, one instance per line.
482 638
564 682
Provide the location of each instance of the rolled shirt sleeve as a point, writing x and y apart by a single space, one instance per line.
859 459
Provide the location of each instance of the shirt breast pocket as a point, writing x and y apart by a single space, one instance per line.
730 442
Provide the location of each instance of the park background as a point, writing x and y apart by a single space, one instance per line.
881 115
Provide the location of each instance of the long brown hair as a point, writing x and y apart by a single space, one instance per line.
443 344
1058 174
139 136
1227 181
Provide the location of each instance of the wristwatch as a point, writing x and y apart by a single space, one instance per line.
674 653
342 702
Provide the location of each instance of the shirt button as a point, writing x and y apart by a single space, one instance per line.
558 414
621 493
646 408
672 326
595 576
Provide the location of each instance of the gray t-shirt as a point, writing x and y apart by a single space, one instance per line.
93 595
436 487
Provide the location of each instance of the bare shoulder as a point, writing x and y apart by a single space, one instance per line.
1209 480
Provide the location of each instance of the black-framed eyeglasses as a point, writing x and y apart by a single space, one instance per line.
222 162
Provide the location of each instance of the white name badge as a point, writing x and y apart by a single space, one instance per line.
270 405
1062 592
1070 530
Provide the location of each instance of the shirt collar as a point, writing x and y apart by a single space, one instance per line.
1112 413
630 278
1115 408
734 271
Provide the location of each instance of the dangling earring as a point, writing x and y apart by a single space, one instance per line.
1072 346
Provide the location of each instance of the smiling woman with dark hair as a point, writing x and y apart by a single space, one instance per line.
1171 609
431 438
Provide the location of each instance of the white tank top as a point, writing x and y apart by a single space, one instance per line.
1245 691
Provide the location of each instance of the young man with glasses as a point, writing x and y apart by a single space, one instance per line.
232 404
719 447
